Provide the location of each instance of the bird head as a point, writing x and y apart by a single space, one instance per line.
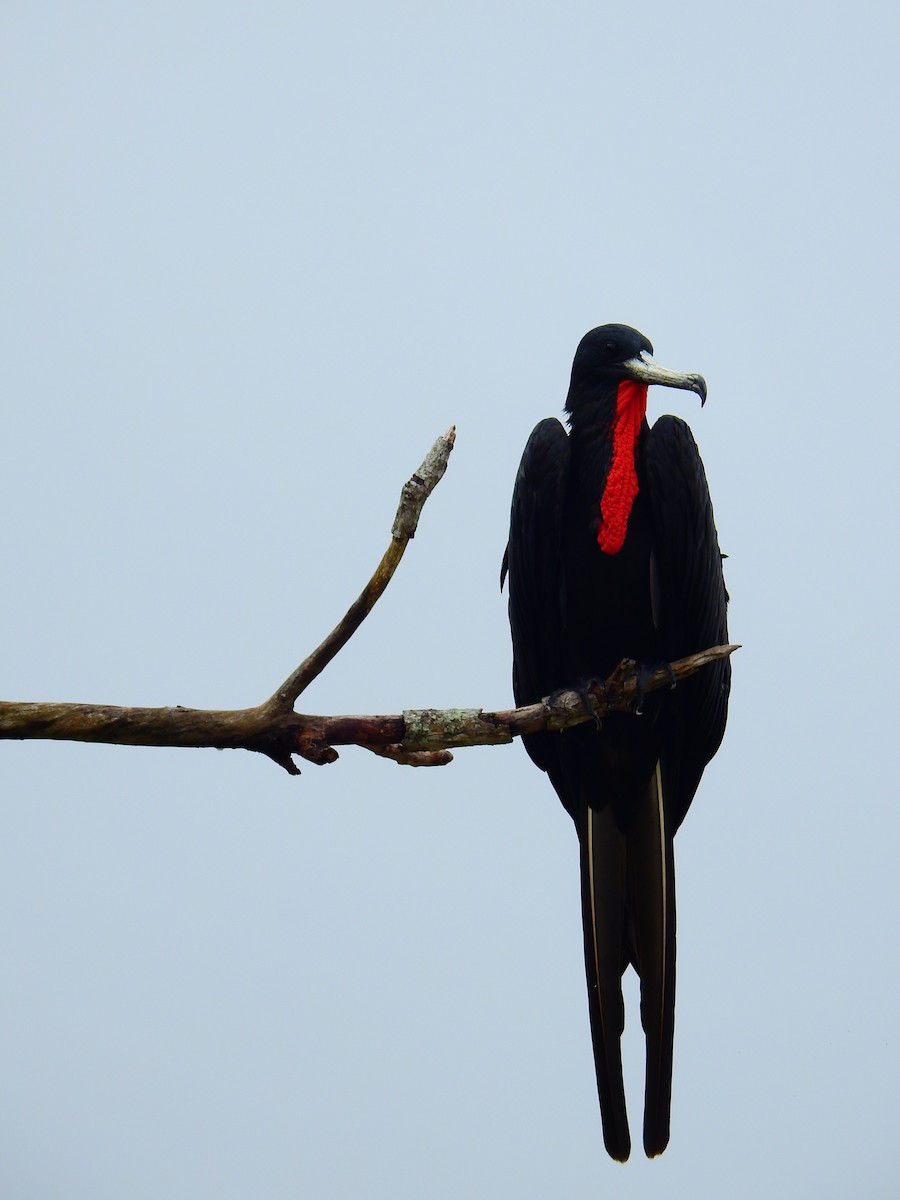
613 354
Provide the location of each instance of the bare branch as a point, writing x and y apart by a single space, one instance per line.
418 737
415 492
413 758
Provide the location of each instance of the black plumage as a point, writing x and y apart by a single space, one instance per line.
613 554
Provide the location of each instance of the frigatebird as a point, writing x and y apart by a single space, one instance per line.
613 554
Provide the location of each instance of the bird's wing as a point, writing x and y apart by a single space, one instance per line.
537 608
536 578
689 604
692 606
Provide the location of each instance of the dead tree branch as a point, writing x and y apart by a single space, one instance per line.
417 737
415 492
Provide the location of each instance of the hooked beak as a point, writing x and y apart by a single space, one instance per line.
646 370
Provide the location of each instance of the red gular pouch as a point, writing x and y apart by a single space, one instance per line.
621 480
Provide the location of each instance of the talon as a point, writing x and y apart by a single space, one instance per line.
643 673
586 693
588 707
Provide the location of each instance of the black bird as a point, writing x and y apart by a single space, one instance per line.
613 554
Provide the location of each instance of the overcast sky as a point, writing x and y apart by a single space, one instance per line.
255 259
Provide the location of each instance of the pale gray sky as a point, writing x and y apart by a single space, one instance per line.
255 258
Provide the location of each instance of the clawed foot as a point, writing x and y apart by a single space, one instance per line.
643 673
587 692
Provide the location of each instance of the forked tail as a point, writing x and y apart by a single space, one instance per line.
628 906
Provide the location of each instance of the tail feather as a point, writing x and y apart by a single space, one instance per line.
628 905
650 893
603 892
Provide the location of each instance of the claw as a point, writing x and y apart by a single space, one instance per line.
643 673
585 691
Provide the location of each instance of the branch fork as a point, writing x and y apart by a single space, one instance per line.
416 737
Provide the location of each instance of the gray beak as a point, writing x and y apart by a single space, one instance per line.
646 370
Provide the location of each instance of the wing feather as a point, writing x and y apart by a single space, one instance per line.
693 604
536 577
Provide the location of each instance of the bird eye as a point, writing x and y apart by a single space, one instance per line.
611 349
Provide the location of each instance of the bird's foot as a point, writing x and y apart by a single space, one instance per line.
643 673
587 691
